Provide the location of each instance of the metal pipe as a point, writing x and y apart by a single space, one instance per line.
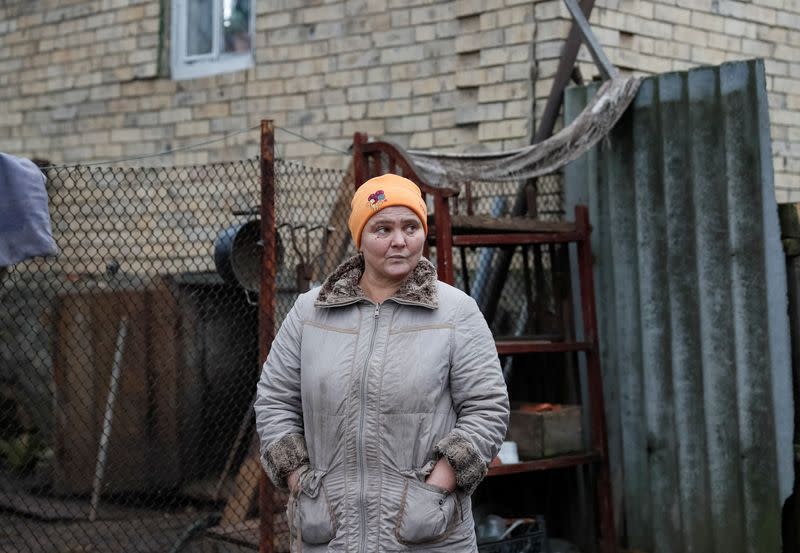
237 442
266 310
108 418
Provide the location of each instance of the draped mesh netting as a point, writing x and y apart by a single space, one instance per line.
594 122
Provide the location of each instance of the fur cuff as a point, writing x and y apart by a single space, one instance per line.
465 460
284 456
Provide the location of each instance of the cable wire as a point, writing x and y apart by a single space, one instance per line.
192 146
314 141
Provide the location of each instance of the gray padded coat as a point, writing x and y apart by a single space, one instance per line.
365 397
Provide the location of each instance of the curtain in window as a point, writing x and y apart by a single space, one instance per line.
236 25
199 27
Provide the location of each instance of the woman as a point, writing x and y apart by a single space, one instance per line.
382 400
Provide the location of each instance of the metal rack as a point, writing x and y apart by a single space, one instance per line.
448 231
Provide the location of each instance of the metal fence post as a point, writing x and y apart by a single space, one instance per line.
266 309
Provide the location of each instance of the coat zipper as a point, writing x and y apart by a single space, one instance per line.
361 454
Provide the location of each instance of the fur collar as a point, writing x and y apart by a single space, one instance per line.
342 288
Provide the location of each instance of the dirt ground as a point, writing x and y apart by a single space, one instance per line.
147 534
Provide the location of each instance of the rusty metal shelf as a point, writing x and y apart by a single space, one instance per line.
515 239
482 224
450 231
511 346
561 461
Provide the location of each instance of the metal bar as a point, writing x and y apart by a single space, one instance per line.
606 68
464 269
359 168
363 151
540 307
266 540
408 168
545 129
444 239
476 224
531 322
575 385
562 461
237 442
266 310
568 56
511 347
377 165
560 262
514 239
108 418
605 506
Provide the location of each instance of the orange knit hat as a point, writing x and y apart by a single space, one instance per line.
381 192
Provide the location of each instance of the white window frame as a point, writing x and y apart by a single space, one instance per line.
204 65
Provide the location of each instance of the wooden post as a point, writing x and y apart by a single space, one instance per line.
266 310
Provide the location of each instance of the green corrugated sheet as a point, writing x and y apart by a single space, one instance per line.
691 294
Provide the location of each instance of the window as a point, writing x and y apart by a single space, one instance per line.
211 37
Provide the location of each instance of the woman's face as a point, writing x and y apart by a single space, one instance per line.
392 243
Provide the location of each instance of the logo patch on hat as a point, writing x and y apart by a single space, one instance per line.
376 199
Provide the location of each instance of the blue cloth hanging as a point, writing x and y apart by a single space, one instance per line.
25 229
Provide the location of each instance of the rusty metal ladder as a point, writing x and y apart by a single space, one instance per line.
448 231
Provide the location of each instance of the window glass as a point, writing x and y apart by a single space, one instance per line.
200 28
236 25
210 37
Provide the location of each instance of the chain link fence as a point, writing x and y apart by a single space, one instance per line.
524 298
128 362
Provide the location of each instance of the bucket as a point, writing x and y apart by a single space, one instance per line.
237 255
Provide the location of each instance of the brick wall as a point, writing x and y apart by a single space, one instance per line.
80 85
79 82
647 37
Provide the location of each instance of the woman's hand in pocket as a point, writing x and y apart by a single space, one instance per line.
442 476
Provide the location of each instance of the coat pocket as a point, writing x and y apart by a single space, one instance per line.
311 513
427 513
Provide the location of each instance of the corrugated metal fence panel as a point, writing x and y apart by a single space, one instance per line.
692 311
